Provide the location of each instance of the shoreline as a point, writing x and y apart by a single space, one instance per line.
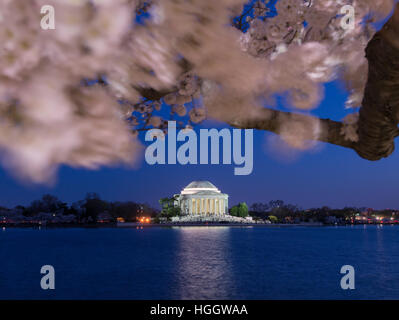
131 225
268 225
152 225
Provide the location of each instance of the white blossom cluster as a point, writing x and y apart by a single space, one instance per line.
48 118
309 34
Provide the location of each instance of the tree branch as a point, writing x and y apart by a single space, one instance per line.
272 120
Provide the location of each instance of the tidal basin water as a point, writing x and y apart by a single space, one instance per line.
200 262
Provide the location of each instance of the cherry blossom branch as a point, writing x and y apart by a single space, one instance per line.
272 121
379 115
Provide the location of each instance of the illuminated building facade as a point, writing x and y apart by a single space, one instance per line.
202 198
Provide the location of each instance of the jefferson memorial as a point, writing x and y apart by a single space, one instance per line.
202 198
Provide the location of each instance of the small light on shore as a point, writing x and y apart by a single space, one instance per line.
144 220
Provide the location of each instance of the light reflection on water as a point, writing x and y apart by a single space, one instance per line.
204 263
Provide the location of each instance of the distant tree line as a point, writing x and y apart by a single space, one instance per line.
91 209
274 210
277 211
